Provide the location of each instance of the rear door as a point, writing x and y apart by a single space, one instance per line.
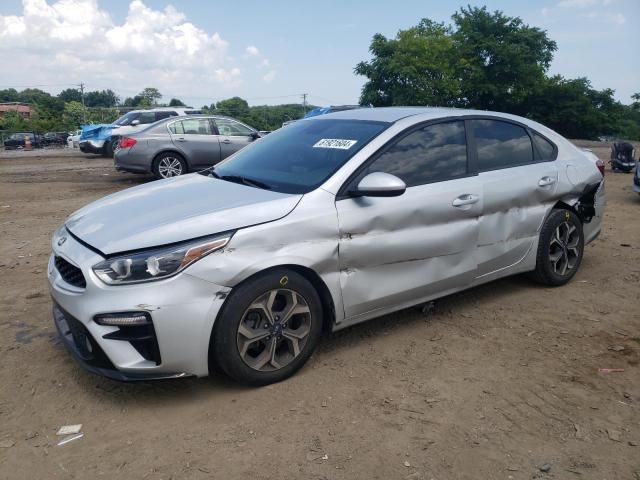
195 138
399 250
518 184
233 136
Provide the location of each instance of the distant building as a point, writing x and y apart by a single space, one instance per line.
23 109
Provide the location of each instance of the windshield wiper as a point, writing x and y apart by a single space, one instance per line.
241 180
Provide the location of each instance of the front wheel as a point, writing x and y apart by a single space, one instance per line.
560 248
268 328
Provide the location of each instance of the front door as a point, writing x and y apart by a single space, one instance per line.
402 250
195 139
233 136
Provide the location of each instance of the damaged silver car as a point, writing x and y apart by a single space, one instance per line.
329 222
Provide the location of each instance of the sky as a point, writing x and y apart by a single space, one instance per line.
202 51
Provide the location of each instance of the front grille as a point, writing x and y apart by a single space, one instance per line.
70 273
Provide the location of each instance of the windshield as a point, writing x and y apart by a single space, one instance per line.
126 119
302 156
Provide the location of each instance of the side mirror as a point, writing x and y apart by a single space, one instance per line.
379 184
255 135
135 123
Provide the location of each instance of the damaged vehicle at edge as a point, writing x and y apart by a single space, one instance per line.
329 222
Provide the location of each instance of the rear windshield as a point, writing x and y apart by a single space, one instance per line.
300 157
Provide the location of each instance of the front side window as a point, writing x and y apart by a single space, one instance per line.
501 145
192 126
301 157
430 154
232 128
126 119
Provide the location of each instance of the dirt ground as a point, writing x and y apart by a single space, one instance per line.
499 382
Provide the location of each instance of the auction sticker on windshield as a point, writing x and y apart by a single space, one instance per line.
335 143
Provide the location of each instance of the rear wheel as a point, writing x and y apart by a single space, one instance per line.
168 165
560 248
268 328
108 148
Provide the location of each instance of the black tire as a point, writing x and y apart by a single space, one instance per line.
558 272
224 351
157 165
108 149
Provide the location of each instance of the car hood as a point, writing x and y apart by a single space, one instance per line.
173 210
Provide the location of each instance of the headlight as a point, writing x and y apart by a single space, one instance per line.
158 263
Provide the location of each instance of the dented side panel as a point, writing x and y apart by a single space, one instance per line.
396 249
307 237
515 205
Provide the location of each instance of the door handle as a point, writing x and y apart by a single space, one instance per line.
466 199
546 181
181 139
226 141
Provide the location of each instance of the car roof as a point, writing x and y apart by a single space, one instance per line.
164 109
393 114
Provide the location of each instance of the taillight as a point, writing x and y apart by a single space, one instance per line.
127 142
599 164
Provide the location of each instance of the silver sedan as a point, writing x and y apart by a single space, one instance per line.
329 222
178 145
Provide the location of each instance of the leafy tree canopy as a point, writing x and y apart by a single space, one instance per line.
489 61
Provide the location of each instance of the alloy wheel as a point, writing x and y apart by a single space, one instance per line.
564 248
169 167
274 330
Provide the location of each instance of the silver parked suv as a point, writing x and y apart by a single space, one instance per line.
178 145
328 222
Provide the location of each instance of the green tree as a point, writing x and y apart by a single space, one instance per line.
9 95
233 107
14 122
500 60
101 98
486 60
149 96
574 108
175 102
415 68
70 95
74 115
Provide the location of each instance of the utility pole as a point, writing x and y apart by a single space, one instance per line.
304 102
84 109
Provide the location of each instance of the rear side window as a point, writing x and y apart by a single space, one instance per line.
147 117
192 126
546 150
432 153
163 115
501 145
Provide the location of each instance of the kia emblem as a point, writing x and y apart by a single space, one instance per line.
61 241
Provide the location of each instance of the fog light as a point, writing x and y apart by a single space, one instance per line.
124 319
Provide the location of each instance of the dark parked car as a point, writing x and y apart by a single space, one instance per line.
16 140
179 145
622 157
55 138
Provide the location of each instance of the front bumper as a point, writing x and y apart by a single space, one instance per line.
183 310
92 146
